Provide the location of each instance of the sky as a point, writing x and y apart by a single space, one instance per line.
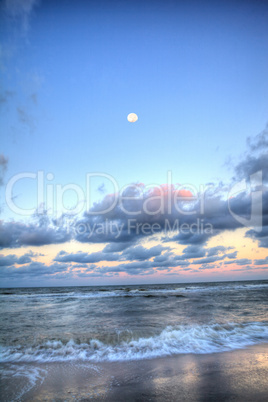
88 198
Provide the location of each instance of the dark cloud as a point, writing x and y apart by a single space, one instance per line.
3 167
255 159
146 267
174 262
137 260
208 266
116 247
32 270
260 141
232 255
193 252
261 261
133 253
89 265
241 261
15 234
253 164
208 260
12 259
210 255
165 210
141 253
7 260
217 250
24 259
85 257
261 237
191 237
121 230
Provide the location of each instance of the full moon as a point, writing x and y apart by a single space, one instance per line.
132 117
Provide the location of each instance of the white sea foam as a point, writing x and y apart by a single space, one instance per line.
172 340
136 292
93 295
227 287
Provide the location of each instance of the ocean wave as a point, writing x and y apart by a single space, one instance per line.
133 292
198 339
94 295
227 287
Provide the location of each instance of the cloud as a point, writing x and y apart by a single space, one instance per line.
121 230
3 167
25 259
116 247
134 253
153 259
241 261
141 253
210 255
208 260
217 250
16 234
20 10
192 237
25 119
252 164
175 213
85 257
255 157
118 227
12 259
193 252
261 261
32 270
138 259
6 95
232 255
131 261
207 266
134 260
261 237
259 142
189 220
146 213
7 260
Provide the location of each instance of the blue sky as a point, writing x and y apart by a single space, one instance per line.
194 72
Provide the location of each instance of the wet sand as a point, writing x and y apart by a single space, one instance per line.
240 375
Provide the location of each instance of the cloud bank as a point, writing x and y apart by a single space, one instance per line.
173 215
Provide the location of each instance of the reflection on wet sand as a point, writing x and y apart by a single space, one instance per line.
238 375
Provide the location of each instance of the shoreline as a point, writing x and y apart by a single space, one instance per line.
239 375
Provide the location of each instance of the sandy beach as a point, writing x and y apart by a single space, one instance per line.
239 375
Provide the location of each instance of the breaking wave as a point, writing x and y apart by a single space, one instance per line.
147 290
171 341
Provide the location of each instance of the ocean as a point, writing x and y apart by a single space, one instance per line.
48 334
114 323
